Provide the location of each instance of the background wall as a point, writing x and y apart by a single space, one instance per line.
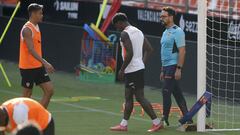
62 43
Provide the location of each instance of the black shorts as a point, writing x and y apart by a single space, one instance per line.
50 129
169 71
31 76
135 80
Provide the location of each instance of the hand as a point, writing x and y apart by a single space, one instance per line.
48 67
161 76
121 75
178 74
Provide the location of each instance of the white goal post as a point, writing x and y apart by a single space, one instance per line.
218 64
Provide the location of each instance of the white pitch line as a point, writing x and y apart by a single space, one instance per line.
80 107
69 111
215 133
95 110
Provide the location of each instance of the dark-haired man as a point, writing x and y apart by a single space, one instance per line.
19 111
28 128
172 57
32 66
133 45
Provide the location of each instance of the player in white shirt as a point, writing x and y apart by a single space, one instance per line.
136 49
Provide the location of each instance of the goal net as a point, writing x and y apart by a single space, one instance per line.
222 62
97 61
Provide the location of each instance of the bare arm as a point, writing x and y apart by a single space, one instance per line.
27 35
180 63
129 50
147 47
181 58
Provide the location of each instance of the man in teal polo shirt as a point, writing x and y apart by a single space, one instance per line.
172 57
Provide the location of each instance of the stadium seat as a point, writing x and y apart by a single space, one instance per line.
222 5
179 5
9 2
192 3
236 7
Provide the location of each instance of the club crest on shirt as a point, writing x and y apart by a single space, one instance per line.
169 34
28 84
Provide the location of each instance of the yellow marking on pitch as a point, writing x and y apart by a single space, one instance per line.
76 99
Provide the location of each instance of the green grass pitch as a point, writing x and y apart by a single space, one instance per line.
95 107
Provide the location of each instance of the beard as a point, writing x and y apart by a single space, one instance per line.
162 22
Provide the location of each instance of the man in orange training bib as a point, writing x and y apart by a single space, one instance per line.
33 68
18 111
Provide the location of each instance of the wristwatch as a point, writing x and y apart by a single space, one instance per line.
179 67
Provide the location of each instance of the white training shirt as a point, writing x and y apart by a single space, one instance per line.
137 38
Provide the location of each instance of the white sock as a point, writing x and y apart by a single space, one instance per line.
124 123
156 121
